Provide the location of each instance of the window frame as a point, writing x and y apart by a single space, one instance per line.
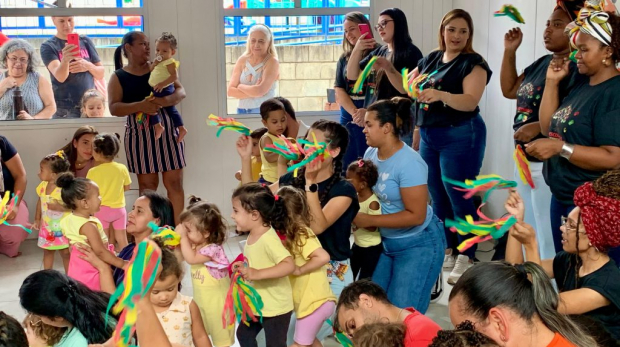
275 12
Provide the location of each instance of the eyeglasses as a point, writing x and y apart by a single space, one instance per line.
569 225
15 60
383 24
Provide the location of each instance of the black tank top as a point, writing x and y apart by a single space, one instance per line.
135 88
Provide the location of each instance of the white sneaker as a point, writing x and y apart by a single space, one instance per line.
461 265
448 262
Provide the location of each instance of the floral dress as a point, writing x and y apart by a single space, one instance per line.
51 236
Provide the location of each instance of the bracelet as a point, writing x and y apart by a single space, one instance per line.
445 103
567 150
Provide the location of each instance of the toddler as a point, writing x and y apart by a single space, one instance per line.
256 158
203 231
50 210
113 181
92 104
367 248
40 334
274 119
163 75
464 335
380 335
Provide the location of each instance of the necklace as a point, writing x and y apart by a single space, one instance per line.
399 313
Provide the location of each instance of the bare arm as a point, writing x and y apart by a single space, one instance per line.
47 96
353 66
172 72
149 330
199 334
115 96
415 201
509 80
343 99
269 156
473 88
324 217
580 301
270 75
16 168
317 260
191 256
59 69
97 70
94 240
549 104
233 91
37 213
601 158
282 269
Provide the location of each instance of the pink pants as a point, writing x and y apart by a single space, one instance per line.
115 216
12 237
307 327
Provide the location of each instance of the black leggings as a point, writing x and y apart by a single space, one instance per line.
364 260
276 329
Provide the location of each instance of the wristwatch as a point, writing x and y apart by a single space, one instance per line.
312 188
567 150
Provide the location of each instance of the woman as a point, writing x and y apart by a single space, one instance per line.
515 306
332 200
128 91
452 135
73 70
352 109
13 179
254 77
80 150
413 238
583 130
19 59
527 89
588 280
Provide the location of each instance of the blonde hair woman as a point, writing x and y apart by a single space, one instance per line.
254 77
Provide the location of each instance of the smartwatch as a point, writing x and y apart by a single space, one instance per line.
312 188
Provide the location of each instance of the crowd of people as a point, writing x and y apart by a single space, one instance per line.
380 179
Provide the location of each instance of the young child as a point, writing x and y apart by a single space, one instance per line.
50 210
92 104
367 249
256 135
178 314
267 263
113 181
11 332
40 334
313 299
464 335
274 119
203 232
81 196
163 75
380 335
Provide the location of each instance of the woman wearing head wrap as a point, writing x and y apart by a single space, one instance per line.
588 280
583 128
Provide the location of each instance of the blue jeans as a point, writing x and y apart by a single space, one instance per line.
455 152
410 265
357 139
248 110
556 212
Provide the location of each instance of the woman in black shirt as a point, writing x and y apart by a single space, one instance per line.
584 127
452 134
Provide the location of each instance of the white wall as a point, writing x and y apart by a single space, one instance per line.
211 162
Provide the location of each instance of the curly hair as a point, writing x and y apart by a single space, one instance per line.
464 335
167 36
58 163
73 189
50 334
365 170
15 45
207 218
107 145
614 22
297 207
380 335
257 197
11 332
608 185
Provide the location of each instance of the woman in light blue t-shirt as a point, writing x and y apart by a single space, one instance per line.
413 237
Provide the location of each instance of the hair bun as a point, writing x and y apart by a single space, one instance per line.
65 180
193 199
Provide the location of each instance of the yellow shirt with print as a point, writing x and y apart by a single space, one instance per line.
364 237
111 178
311 290
276 293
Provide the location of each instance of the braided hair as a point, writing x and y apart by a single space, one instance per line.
464 335
336 136
11 332
258 197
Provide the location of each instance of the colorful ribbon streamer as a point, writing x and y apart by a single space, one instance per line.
312 151
360 80
139 278
171 238
523 166
289 150
510 12
227 124
483 183
485 229
340 336
7 205
242 302
405 74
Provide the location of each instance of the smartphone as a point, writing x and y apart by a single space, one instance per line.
365 28
331 96
74 39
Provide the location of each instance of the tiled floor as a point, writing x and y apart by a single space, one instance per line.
14 271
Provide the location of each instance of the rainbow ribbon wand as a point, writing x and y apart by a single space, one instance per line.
227 124
243 302
290 150
171 238
317 151
7 207
357 87
483 183
510 12
523 165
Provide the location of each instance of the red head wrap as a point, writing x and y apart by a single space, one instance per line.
600 216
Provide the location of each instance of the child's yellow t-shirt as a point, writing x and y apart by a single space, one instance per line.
72 224
269 171
160 72
111 178
256 169
276 293
363 237
311 290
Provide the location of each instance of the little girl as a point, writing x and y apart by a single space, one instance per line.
50 210
163 75
178 314
40 334
313 299
367 249
274 119
81 196
203 232
113 181
92 104
267 263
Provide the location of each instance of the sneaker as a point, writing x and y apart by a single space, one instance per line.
461 265
448 262
437 291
